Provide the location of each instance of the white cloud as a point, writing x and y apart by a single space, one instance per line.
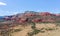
5 13
2 4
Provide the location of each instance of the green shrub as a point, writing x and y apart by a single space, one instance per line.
30 34
35 32
33 27
17 30
49 29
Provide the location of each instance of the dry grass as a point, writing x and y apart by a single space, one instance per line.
43 27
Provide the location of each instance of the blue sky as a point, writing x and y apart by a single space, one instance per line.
9 7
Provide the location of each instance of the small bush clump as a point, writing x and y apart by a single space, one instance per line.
33 32
49 29
17 30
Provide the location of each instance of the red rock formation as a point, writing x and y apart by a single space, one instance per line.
13 18
22 20
45 14
57 14
46 17
44 20
29 14
51 20
37 20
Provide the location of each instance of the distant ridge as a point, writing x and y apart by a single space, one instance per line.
33 16
1 16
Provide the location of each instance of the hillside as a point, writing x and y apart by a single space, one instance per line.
29 16
30 23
